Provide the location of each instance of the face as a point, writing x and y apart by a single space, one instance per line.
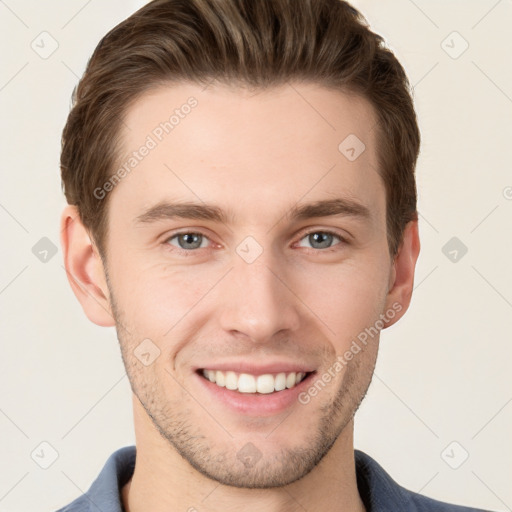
246 254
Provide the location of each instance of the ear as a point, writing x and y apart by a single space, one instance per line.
84 268
401 281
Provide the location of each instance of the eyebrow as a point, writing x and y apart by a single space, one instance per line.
202 211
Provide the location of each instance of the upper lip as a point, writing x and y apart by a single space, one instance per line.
254 368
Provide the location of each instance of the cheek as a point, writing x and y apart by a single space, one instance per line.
156 298
347 297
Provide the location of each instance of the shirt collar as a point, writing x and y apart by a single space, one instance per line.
378 491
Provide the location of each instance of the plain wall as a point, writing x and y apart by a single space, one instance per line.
443 373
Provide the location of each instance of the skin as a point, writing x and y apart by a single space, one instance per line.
256 156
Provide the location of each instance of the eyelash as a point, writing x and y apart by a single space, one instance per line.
190 252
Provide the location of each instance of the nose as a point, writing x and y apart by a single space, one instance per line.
258 301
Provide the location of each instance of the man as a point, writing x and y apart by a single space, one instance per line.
242 207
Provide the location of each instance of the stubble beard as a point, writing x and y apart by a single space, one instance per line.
174 423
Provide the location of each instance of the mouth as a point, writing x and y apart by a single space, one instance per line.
254 388
247 383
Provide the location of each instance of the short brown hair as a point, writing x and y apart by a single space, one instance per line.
251 43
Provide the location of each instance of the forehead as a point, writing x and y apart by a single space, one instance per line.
252 152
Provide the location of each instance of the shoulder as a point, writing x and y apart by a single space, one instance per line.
104 493
420 503
380 493
79 505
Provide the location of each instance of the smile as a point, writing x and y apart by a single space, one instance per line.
248 383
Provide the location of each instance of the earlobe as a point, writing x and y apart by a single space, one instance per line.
84 268
402 273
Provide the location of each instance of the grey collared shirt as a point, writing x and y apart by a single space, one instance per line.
378 491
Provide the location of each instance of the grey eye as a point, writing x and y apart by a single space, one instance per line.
320 239
188 241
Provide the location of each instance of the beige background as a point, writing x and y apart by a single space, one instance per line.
443 373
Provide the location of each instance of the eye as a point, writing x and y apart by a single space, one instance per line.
188 241
321 239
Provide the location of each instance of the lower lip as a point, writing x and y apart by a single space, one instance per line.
256 404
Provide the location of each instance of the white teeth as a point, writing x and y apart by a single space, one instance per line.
247 383
231 380
220 379
265 384
290 380
280 383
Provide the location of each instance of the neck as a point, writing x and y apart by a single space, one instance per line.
163 481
